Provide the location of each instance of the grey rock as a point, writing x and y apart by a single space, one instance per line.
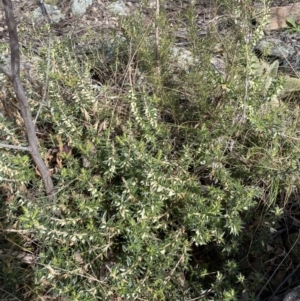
218 64
283 46
53 11
118 8
79 7
294 295
182 57
274 47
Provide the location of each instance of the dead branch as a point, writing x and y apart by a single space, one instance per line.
21 97
23 148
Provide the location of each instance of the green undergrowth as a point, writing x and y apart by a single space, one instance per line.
169 181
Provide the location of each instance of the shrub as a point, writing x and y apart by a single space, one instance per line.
164 184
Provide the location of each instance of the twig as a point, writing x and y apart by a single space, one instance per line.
9 294
287 254
16 231
44 11
23 148
157 52
43 101
21 97
284 281
174 269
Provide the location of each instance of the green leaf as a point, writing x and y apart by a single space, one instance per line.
291 22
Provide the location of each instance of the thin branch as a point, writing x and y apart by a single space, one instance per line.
16 231
296 270
286 255
46 86
45 12
21 97
23 148
157 44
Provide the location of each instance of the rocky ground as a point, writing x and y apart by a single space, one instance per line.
101 16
